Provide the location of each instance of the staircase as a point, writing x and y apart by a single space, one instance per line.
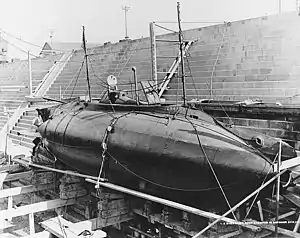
22 124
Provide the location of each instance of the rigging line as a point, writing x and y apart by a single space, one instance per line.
165 28
76 75
164 186
210 165
203 22
27 42
213 70
77 78
177 88
24 51
143 48
94 73
248 212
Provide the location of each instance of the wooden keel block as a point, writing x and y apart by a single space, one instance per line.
67 178
113 212
72 194
100 222
43 178
71 187
114 204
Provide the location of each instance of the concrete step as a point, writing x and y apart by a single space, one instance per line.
16 133
31 113
24 121
23 143
28 118
19 128
20 138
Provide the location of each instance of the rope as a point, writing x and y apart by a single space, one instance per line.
107 132
165 28
78 72
212 73
164 186
260 186
76 79
211 167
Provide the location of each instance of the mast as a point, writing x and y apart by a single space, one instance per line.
86 64
181 54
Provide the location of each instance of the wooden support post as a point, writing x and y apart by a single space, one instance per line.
31 224
2 179
297 225
9 207
261 215
37 207
153 54
278 189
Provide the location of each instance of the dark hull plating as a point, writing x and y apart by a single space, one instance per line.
169 154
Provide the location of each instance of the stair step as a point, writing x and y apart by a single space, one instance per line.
20 138
27 126
16 133
31 113
24 121
28 118
19 128
25 144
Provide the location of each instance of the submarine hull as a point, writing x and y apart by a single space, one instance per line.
179 159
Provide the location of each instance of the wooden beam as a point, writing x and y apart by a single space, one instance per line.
36 207
17 176
31 223
296 227
261 215
43 234
63 228
284 215
24 189
2 179
10 168
173 204
292 164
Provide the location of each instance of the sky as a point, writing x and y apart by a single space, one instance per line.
33 20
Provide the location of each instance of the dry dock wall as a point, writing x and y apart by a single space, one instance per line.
257 58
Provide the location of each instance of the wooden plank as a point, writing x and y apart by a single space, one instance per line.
284 215
31 224
43 234
58 226
2 179
10 168
17 176
36 207
24 189
292 164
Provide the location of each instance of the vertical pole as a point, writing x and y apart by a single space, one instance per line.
6 136
279 3
31 224
181 54
126 9
278 189
153 55
86 64
60 92
9 206
135 85
30 74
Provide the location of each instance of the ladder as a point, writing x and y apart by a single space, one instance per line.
172 70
